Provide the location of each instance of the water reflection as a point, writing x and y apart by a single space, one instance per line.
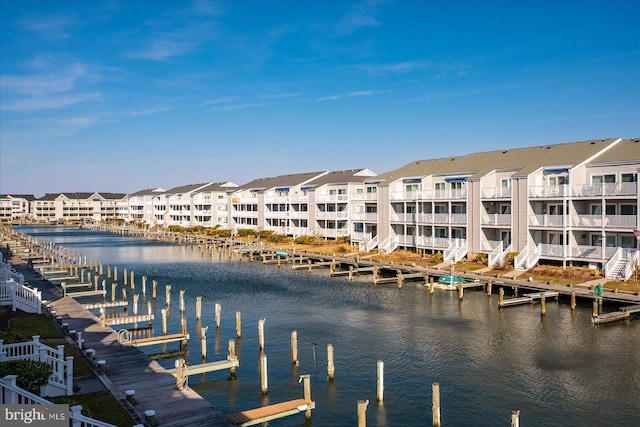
488 361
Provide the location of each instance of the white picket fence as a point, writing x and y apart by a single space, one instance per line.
61 381
15 293
11 394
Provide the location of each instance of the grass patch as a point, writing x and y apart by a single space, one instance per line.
101 406
80 367
34 324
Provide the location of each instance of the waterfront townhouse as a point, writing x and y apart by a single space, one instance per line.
495 202
180 204
338 205
15 207
54 207
211 205
279 204
144 206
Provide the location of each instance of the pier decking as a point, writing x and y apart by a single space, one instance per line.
127 368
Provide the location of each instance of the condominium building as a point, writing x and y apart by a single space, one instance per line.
15 207
77 206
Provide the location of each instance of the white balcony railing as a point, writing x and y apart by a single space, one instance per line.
609 189
496 193
496 219
546 220
548 191
606 221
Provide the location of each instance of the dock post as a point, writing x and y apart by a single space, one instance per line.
350 273
261 333
108 271
515 418
164 321
203 341
124 294
595 308
238 325
182 301
218 310
95 280
232 353
330 367
380 382
115 273
573 300
124 274
501 297
63 285
362 413
460 291
149 310
375 274
167 291
600 305
294 348
436 404
154 283
515 291
144 285
400 279
430 285
133 283
489 284
82 275
263 374
198 307
136 297
101 269
306 381
543 304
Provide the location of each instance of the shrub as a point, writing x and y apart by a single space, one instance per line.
11 337
31 375
245 232
437 257
305 240
481 258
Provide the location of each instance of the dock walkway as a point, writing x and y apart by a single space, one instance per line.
127 368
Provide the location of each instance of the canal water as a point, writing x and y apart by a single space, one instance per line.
557 369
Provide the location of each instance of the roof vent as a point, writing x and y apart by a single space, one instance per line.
593 142
505 151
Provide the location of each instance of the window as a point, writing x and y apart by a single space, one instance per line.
558 180
372 189
359 190
596 209
627 241
439 186
610 210
629 177
410 188
332 192
600 179
505 183
628 209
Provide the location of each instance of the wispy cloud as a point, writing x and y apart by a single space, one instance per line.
359 15
221 100
48 102
357 93
181 33
282 95
329 98
149 111
397 67
237 107
51 27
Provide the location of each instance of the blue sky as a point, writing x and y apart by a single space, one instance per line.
122 96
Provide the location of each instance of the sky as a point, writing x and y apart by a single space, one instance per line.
120 96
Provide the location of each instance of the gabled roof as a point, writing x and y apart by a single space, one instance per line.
524 160
342 177
186 188
280 181
113 196
217 186
49 197
625 150
148 192
29 197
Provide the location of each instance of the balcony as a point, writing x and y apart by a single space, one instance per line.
605 190
333 233
276 214
439 243
299 214
496 220
403 217
332 215
608 221
592 252
546 220
496 193
548 191
332 198
442 218
276 199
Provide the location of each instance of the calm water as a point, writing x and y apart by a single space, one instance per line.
558 370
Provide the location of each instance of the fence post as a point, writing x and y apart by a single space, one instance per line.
10 396
76 415
69 375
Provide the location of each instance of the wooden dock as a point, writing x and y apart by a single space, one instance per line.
105 305
128 368
527 298
220 365
271 412
159 339
624 313
125 320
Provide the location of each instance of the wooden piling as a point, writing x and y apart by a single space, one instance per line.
489 284
595 308
218 310
124 275
144 285
264 385
573 300
232 353
460 291
114 285
108 271
435 388
198 307
543 304
330 367
261 333
124 294
203 342
350 273
362 413
500 297
164 321
167 291
431 286
380 382
238 325
515 419
182 301
306 381
135 304
294 348
133 283
154 284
